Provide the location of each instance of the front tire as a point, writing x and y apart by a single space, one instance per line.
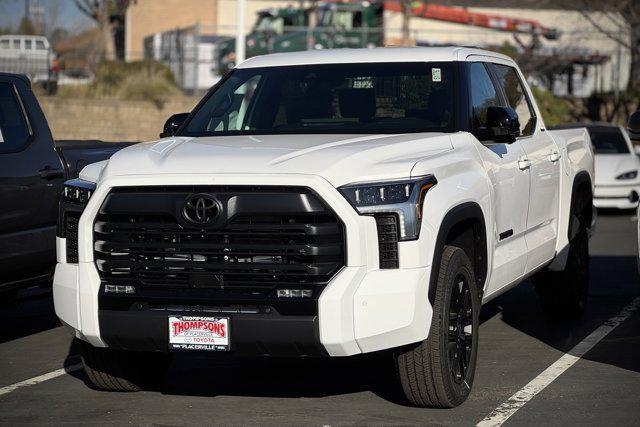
115 370
439 371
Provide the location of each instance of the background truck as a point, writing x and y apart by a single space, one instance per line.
32 171
328 204
357 24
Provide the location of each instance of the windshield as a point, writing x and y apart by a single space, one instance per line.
608 140
341 98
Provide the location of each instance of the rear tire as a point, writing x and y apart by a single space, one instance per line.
564 294
114 370
439 371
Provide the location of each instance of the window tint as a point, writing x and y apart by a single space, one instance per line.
483 93
231 114
336 98
608 140
13 128
507 79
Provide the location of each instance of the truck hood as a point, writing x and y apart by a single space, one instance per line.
340 159
608 166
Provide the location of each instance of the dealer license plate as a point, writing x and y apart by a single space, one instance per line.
199 333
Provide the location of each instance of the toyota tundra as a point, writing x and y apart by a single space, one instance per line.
327 204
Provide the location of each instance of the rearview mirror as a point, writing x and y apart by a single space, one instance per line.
172 124
634 126
502 124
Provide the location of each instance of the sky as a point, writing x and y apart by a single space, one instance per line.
60 13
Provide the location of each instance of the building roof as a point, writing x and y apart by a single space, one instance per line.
381 54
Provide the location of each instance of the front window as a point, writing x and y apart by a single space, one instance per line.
270 24
608 140
341 98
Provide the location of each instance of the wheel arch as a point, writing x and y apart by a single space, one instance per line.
581 203
463 226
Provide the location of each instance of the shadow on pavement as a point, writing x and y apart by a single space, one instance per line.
614 283
33 313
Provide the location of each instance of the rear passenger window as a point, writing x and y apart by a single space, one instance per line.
14 133
507 79
483 93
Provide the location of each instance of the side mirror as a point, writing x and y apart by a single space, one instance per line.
502 124
633 126
172 124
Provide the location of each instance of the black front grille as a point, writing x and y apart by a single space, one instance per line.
388 235
267 238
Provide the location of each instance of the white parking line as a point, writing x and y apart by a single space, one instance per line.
525 394
40 379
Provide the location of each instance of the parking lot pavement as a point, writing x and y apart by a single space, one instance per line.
517 344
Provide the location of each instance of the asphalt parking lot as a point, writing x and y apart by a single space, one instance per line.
517 343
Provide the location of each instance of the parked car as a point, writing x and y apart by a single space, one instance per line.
31 56
328 204
617 166
32 171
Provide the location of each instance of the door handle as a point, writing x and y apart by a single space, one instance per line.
524 164
554 156
49 173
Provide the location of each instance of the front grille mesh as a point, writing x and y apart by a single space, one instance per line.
252 253
71 220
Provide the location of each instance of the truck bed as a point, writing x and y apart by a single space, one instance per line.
76 154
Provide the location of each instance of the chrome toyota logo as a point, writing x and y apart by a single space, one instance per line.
201 209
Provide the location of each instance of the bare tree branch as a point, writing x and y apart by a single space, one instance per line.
609 34
614 17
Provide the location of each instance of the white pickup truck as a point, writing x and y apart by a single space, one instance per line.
328 204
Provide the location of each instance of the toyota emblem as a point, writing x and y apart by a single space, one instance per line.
201 209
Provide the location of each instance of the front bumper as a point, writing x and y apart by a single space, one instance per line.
362 309
616 196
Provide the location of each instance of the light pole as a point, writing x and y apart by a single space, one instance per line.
240 37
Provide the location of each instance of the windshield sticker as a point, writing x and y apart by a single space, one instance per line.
436 75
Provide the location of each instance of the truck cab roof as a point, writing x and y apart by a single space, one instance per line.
382 54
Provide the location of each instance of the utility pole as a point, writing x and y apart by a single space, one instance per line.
240 36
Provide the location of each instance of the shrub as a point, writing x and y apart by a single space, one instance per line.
554 110
139 80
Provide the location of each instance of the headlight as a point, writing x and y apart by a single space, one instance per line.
628 175
78 191
404 198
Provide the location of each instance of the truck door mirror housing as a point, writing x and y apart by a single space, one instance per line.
633 126
172 124
502 124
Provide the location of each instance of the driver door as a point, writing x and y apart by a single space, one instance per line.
510 186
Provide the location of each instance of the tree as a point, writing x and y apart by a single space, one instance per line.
407 7
26 26
621 23
102 11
